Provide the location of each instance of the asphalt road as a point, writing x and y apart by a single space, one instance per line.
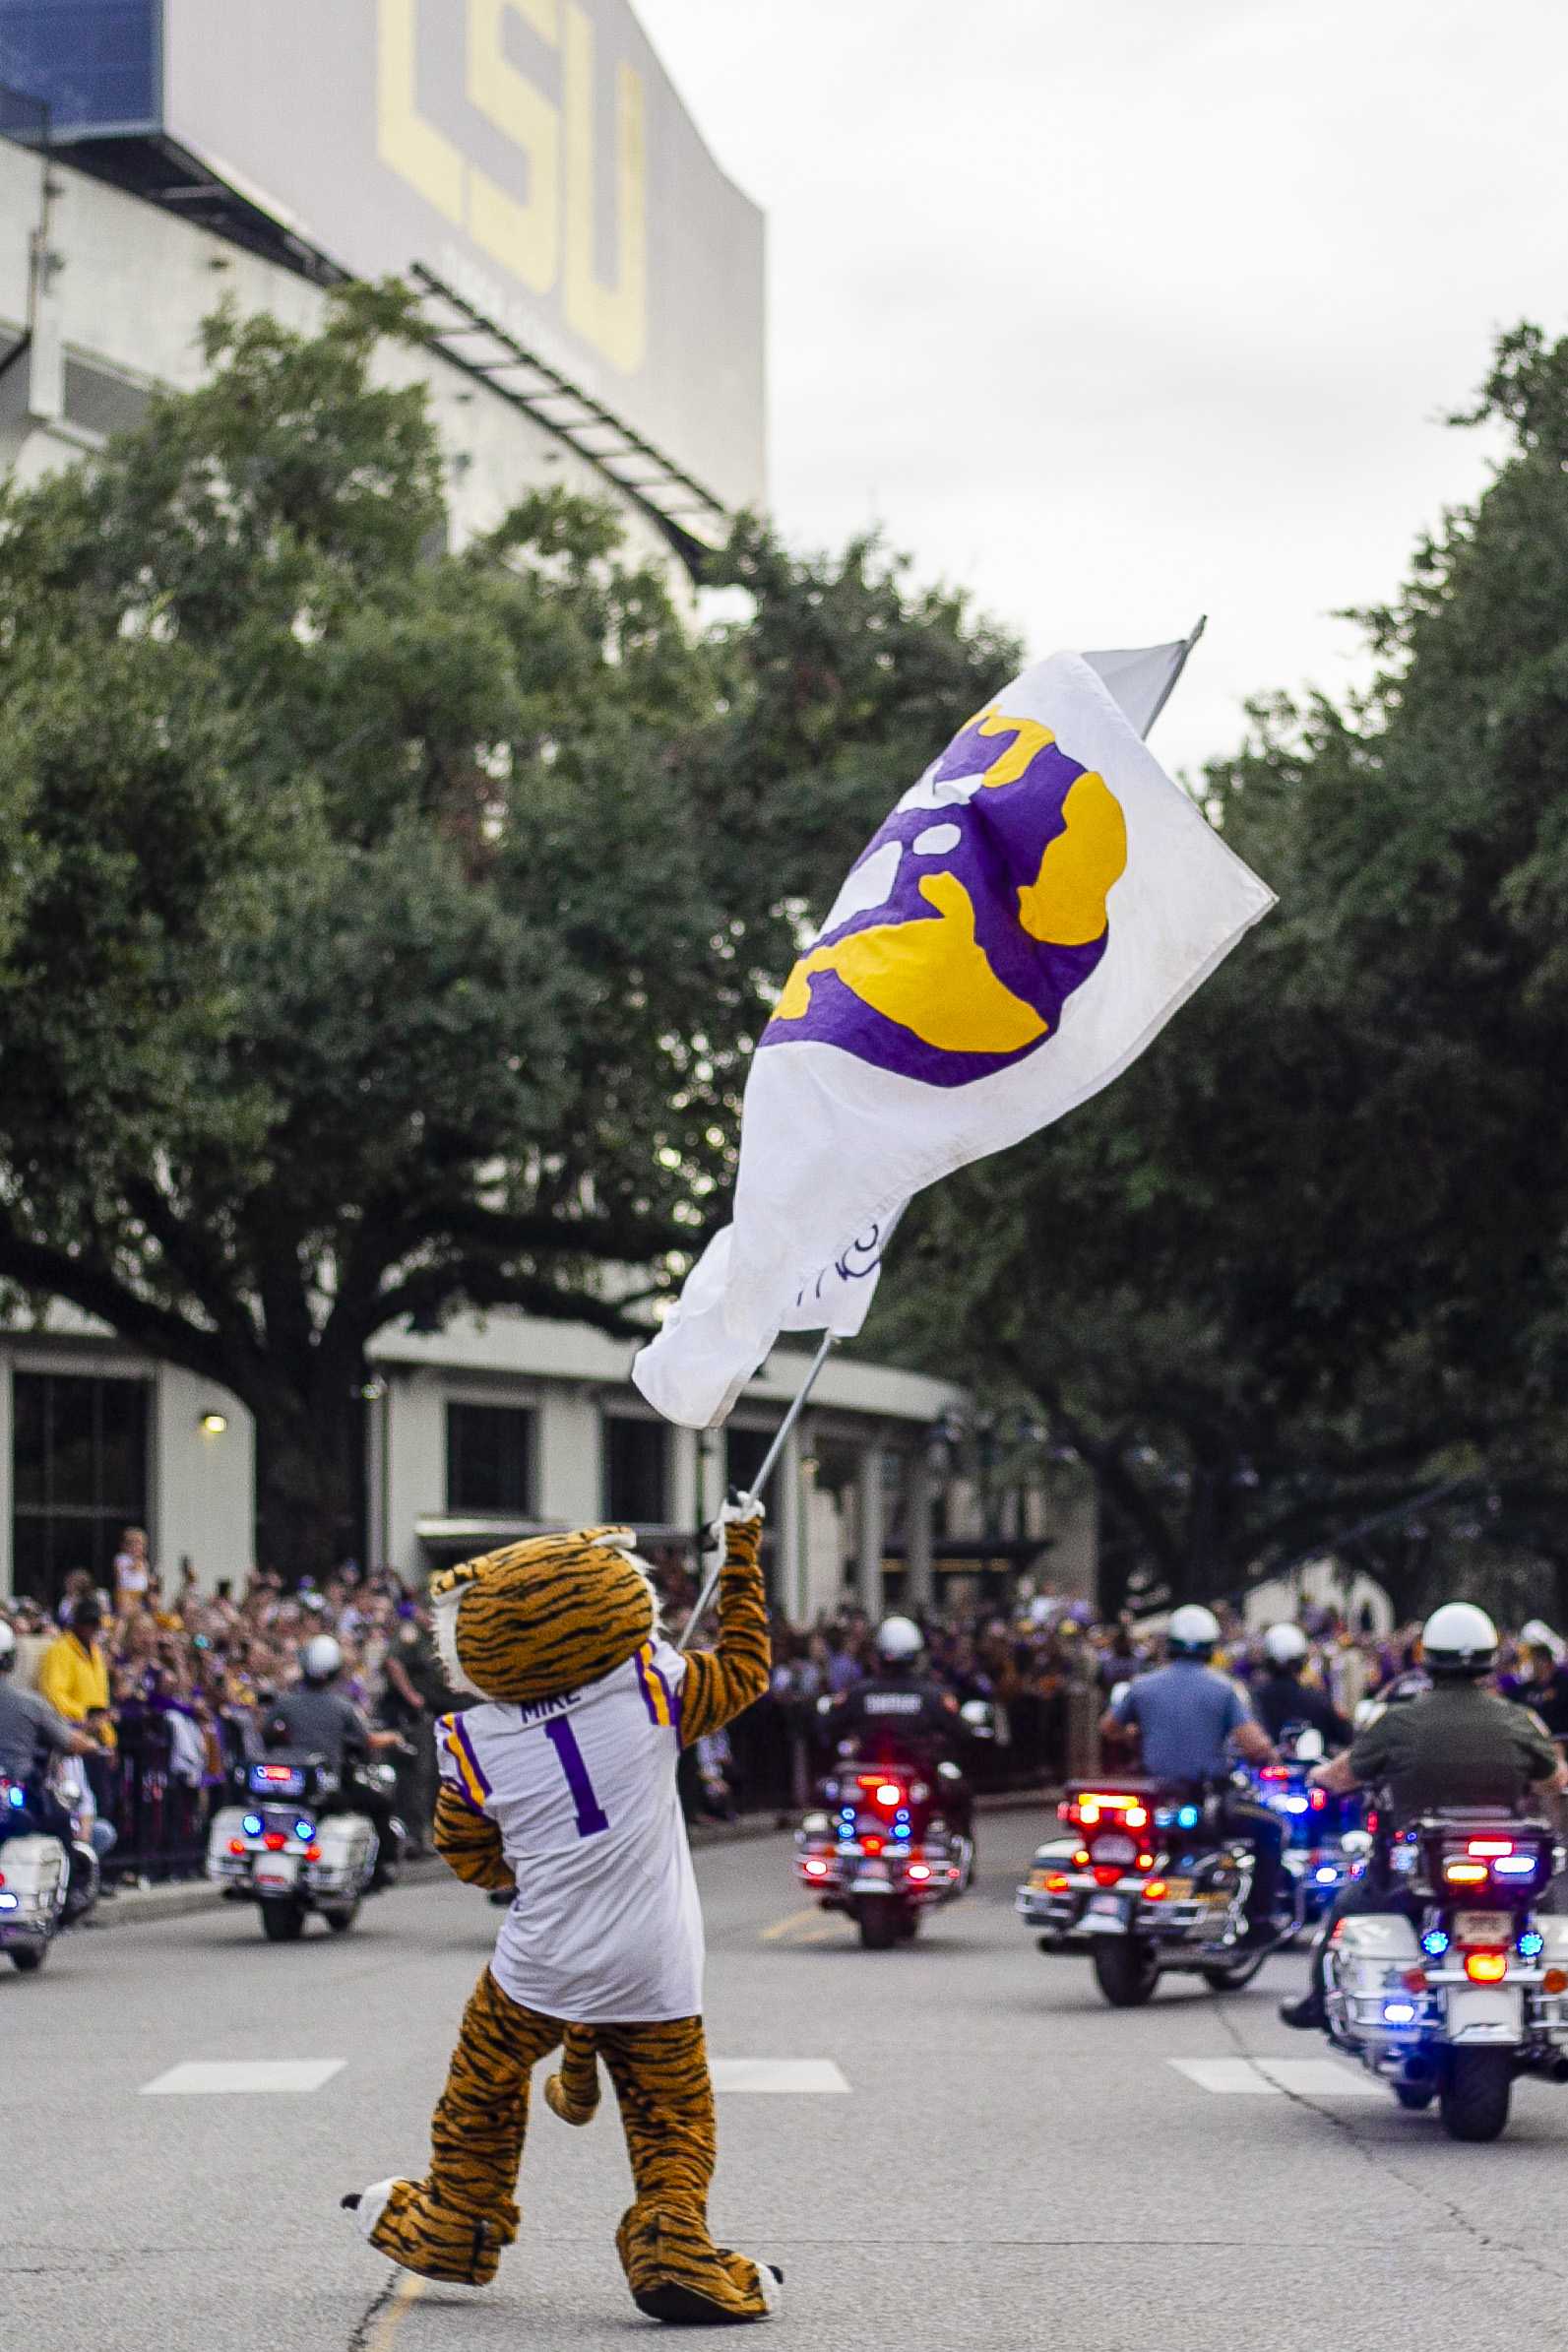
1012 2164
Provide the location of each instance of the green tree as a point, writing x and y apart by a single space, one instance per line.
383 928
1307 1259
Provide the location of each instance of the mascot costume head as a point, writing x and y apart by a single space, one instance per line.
558 1786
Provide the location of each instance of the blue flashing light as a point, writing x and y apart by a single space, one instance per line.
1435 1943
1515 1866
1187 1818
8 1902
252 1824
1297 1804
17 1796
1326 1875
1530 1943
1399 2012
305 1832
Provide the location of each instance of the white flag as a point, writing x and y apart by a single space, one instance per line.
1027 921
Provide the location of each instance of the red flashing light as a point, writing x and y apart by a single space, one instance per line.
1146 1862
1415 1980
873 1845
1486 1968
1137 1817
274 1841
312 1853
1319 1799
1104 1875
1056 1883
1081 1859
236 1845
920 1871
1490 1845
816 1870
1156 1891
1275 1772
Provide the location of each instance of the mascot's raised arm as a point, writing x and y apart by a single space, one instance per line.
560 1781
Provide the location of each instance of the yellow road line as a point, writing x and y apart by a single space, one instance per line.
409 2290
782 1926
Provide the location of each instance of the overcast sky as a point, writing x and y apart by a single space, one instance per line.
1124 311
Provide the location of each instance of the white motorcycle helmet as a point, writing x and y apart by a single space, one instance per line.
898 1639
1458 1639
1285 1645
321 1658
1193 1632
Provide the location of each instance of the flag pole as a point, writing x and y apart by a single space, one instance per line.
1174 681
769 1461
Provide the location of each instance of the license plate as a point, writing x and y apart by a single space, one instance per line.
1105 1916
1179 1890
1483 1927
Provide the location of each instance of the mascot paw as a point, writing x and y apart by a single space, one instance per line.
679 2275
402 2221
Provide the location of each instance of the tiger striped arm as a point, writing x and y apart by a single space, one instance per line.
721 1682
470 1843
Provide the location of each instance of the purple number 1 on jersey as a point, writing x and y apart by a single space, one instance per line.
591 1815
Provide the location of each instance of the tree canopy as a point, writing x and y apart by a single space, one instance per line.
383 925
1305 1263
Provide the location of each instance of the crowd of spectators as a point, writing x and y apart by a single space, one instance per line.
174 1679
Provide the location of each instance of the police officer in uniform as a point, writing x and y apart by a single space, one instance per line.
316 1720
900 1707
1187 1721
1457 1745
30 1726
1282 1698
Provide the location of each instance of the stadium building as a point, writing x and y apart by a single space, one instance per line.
594 286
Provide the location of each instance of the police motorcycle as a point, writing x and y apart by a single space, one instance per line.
281 1848
886 1842
1146 1883
1316 1861
1457 2002
35 1878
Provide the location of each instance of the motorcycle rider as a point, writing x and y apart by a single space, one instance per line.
317 1720
1457 1744
901 1706
1282 1698
28 1726
1187 1718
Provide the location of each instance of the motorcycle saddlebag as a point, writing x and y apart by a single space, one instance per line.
34 1872
346 1842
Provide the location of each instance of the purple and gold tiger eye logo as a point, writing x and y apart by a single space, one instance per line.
973 915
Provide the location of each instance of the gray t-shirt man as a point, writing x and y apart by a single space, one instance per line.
28 1723
1184 1714
322 1723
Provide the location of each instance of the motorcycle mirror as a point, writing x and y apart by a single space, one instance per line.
1357 1843
1309 1747
825 1705
975 1711
949 1772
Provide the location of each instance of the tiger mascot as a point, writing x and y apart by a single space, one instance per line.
561 1785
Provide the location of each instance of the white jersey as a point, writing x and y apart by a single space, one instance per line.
606 1928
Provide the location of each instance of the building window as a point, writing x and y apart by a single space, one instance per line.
745 1451
636 1471
490 1460
79 1475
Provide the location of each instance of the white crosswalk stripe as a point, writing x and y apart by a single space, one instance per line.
775 2074
211 2075
1272 2077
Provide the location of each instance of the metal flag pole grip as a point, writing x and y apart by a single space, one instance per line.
768 1463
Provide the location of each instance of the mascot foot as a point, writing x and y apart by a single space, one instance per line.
679 2275
407 2223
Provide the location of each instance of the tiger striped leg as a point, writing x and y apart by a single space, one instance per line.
454 2223
673 2267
